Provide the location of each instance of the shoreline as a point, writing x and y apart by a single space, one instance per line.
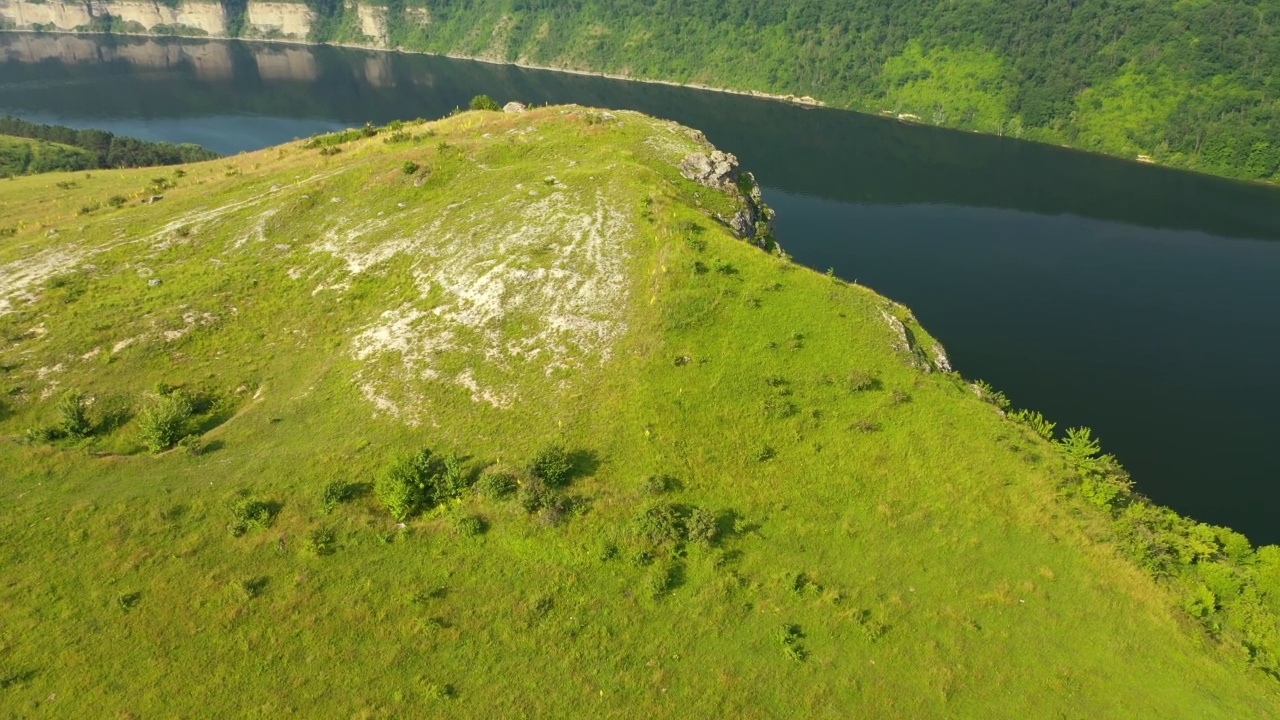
801 100
804 102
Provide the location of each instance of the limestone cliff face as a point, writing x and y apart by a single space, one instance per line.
291 20
208 17
60 15
373 24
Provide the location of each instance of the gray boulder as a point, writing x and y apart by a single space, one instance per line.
515 107
718 170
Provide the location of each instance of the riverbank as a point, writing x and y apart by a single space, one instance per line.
801 100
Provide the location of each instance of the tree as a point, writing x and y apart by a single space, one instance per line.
484 102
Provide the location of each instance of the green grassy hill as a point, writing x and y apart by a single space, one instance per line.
22 156
774 502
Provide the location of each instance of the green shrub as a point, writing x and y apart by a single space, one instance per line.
484 102
249 513
659 484
609 551
468 525
419 481
163 421
410 167
496 485
334 494
991 395
450 481
534 495
865 425
402 487
321 541
45 434
660 580
700 526
192 445
552 466
1080 446
1035 421
73 414
778 409
129 601
789 636
660 525
1106 491
860 381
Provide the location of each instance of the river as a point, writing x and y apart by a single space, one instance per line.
1139 301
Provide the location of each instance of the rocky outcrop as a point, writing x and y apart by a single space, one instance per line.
373 24
418 16
279 19
753 220
514 107
717 169
904 342
59 15
204 17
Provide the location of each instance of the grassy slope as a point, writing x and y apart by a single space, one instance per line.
19 156
941 532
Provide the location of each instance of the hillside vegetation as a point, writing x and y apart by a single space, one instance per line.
58 147
1190 84
23 156
495 417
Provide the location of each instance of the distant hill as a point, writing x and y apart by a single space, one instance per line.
525 415
1190 84
58 147
24 156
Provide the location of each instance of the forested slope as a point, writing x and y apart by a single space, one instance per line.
58 147
22 156
1190 84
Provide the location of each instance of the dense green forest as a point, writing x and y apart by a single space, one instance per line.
1190 84
64 148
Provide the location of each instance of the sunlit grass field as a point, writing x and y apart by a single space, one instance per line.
886 544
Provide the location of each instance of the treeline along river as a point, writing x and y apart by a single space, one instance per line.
1140 301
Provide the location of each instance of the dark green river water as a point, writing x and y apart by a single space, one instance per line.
1139 301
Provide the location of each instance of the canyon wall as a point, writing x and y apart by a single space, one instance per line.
191 17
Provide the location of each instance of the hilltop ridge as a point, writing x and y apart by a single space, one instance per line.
672 472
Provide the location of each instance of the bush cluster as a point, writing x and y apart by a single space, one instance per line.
249 513
164 419
668 527
552 465
419 481
1232 589
484 102
496 485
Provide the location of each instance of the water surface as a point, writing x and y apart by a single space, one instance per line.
1137 300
